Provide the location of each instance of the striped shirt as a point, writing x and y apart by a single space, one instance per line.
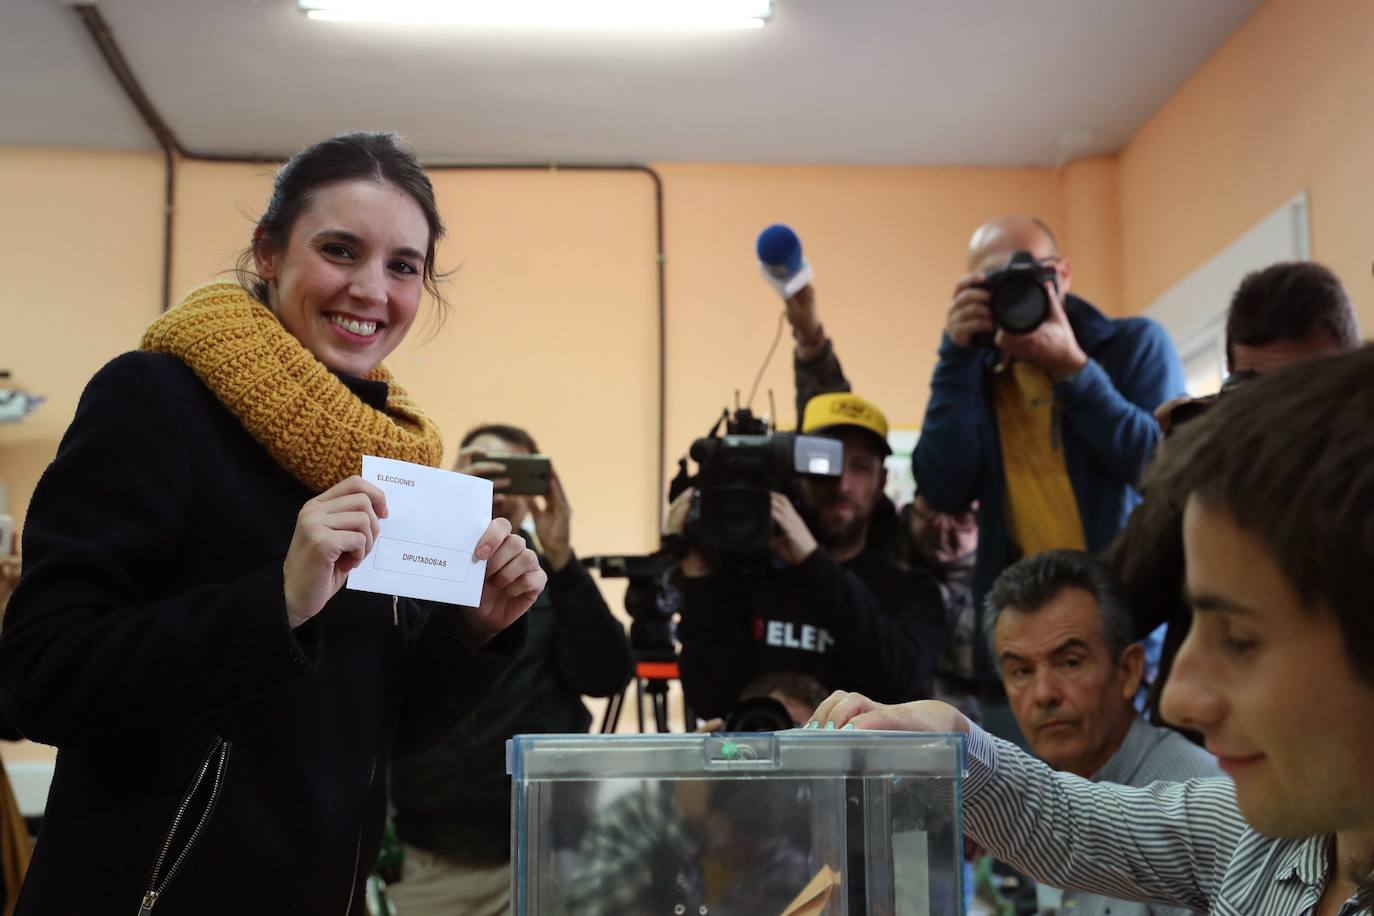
1183 844
1147 754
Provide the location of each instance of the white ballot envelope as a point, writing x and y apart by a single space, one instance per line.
434 521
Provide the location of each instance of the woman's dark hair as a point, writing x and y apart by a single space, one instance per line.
512 434
378 156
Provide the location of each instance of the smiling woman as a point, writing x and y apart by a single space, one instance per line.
225 714
351 157
347 280
345 249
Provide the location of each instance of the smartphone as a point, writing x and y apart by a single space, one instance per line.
528 474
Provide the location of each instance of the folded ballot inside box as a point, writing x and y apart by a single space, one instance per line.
797 823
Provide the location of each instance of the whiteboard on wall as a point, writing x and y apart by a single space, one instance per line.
1193 310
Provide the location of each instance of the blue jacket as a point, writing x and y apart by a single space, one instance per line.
1109 433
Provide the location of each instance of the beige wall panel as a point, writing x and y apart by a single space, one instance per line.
82 243
1281 107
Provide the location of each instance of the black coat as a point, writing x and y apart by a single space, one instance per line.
869 624
148 641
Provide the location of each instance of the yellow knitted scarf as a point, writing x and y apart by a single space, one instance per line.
309 420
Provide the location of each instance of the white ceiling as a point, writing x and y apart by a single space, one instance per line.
919 82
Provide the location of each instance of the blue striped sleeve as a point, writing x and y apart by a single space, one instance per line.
1169 843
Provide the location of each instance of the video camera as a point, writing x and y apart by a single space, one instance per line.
732 513
1016 295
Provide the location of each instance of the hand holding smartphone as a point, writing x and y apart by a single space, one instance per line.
523 475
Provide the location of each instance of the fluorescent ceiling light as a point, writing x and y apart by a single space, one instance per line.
549 14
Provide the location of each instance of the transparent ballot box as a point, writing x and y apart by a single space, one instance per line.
796 823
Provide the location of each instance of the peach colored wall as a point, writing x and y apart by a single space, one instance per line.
552 326
575 251
553 321
554 311
1282 106
887 245
83 243
1090 230
82 237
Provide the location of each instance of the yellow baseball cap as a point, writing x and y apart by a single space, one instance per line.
832 413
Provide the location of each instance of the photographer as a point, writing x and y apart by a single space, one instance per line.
1048 430
833 601
452 801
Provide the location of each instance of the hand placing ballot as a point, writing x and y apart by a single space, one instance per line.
426 545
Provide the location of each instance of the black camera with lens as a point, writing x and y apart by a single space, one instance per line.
732 514
1016 295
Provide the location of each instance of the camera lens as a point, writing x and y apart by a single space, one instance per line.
739 523
1020 305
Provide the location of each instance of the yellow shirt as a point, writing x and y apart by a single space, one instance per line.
1042 512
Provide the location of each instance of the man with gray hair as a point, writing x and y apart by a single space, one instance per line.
1062 637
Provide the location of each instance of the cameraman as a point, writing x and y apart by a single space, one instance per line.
452 801
1049 430
943 542
835 602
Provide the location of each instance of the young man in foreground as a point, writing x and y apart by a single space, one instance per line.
1277 484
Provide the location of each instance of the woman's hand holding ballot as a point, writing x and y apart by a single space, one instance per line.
336 531
514 580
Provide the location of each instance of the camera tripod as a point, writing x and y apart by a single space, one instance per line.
653 674
651 603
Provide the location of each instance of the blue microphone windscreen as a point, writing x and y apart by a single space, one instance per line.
778 246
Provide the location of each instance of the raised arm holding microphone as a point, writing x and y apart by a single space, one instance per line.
837 600
942 542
